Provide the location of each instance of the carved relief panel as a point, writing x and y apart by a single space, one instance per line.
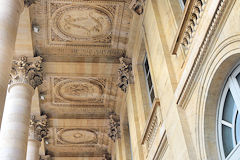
78 91
83 23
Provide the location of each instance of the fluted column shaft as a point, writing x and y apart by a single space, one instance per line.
9 17
25 76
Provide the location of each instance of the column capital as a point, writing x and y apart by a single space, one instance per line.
38 127
125 76
114 126
26 71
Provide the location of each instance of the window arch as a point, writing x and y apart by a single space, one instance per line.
228 120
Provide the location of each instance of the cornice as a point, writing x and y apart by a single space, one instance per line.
188 85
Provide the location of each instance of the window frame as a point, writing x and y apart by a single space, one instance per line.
233 86
146 76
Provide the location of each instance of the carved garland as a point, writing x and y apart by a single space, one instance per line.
202 52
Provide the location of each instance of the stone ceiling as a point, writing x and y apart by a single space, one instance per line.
81 43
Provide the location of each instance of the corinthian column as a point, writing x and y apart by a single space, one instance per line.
37 131
25 77
9 17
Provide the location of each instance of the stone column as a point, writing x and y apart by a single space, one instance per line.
24 78
37 131
10 11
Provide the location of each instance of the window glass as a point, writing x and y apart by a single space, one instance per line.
227 139
149 81
229 107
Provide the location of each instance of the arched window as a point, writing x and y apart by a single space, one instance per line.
228 120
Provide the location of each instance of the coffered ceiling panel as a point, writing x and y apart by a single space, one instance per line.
92 31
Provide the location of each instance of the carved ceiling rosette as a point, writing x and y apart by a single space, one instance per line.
26 71
38 127
114 126
125 76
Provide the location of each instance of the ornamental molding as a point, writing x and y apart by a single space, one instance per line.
201 54
114 126
125 75
191 20
26 70
38 128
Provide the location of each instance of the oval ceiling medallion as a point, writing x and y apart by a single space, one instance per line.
79 90
77 136
83 22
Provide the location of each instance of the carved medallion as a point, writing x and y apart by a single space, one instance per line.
85 91
83 23
76 136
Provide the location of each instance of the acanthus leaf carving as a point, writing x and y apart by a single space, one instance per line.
125 76
28 72
114 126
38 127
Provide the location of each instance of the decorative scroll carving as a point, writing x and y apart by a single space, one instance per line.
152 126
28 3
114 126
38 127
107 156
28 72
45 157
137 6
125 73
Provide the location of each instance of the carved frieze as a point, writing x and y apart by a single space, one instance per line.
125 73
26 70
83 23
114 126
78 91
76 136
38 127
